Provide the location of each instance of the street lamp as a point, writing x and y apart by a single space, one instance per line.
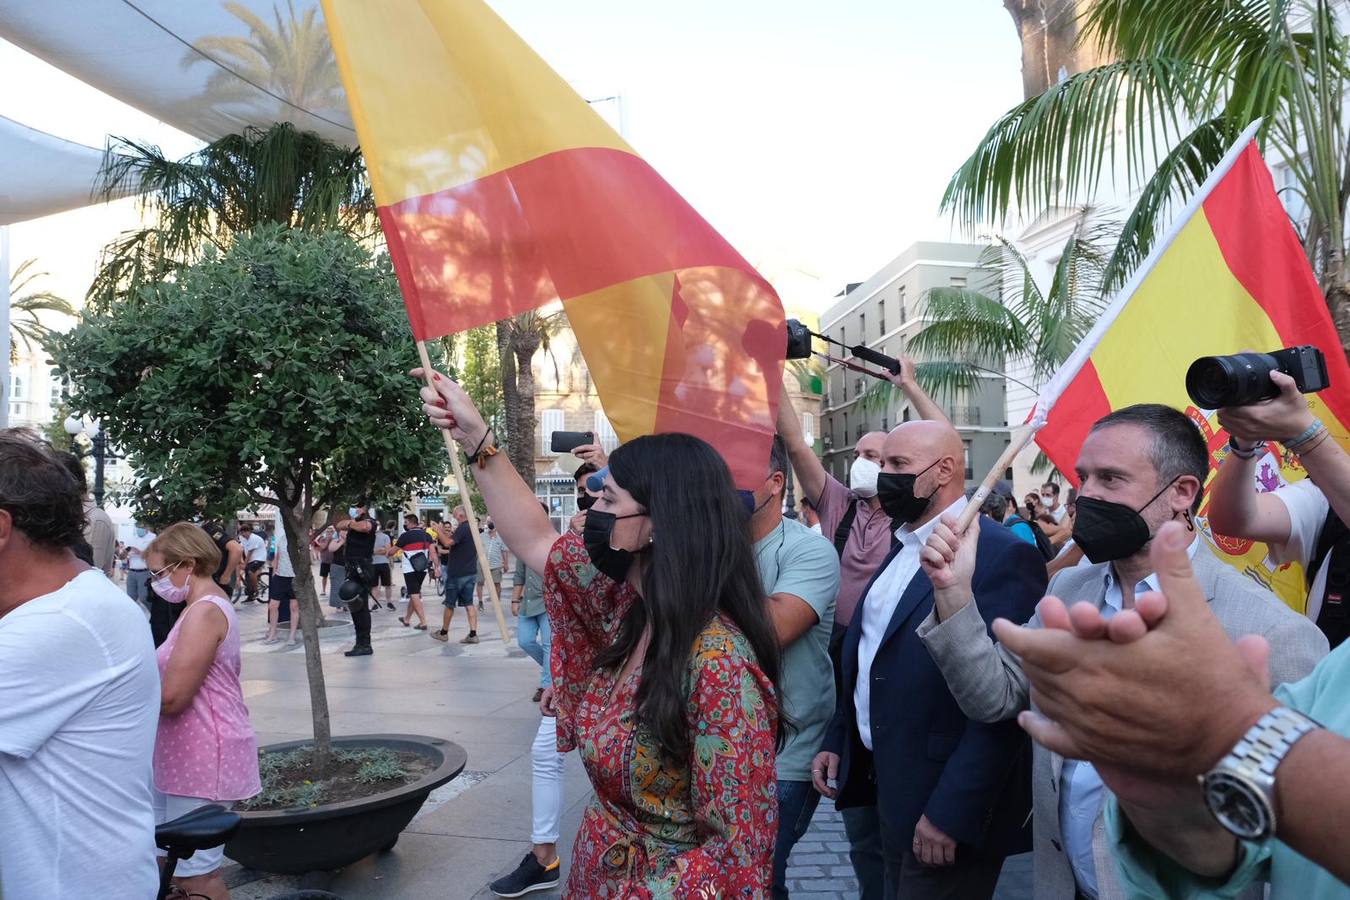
99 441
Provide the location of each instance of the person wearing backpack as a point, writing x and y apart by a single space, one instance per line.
852 518
1002 508
1304 521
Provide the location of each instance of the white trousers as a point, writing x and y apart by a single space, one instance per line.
547 796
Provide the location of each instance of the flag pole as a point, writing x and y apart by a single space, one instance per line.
1021 437
466 501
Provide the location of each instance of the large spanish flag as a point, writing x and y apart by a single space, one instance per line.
1229 276
500 190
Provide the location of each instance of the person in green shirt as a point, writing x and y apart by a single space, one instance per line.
800 573
1158 696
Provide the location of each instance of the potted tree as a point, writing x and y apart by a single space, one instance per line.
274 372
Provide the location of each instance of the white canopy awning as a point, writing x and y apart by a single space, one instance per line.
41 174
207 68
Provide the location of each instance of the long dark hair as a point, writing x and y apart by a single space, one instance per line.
701 561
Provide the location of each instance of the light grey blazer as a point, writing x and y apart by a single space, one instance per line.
987 681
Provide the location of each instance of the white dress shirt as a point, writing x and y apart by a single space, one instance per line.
1080 787
879 605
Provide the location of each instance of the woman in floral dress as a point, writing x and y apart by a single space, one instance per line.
664 663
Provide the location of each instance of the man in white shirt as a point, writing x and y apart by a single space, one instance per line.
138 576
253 560
950 793
79 700
1050 497
282 605
1295 519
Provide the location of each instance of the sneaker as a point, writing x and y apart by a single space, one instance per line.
272 640
469 638
441 635
528 877
359 651
391 606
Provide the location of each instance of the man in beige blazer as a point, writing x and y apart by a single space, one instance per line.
1139 467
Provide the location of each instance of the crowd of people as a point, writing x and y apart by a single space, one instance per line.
871 669
722 666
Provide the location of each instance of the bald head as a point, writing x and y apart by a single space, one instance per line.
869 446
933 451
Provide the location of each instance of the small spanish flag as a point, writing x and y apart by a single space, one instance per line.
500 190
1229 276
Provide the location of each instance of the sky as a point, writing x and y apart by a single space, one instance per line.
817 137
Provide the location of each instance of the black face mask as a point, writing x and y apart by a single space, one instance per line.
584 502
1108 531
596 535
895 491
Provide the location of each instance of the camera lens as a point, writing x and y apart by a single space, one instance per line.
1214 382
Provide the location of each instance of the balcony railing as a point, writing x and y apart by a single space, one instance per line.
964 415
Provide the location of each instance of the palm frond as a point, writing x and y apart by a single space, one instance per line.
1054 148
964 324
1179 174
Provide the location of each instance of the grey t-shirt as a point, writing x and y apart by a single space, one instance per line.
532 600
795 560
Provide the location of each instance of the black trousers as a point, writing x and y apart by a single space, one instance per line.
361 572
973 876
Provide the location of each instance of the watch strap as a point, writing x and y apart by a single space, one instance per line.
1261 750
1245 453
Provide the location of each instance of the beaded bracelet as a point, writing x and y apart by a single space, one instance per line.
1306 435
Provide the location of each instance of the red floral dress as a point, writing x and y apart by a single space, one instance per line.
704 828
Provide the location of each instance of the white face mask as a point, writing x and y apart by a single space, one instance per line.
1048 499
862 477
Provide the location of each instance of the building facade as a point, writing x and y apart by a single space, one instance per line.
884 313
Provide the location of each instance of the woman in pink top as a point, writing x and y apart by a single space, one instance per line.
205 751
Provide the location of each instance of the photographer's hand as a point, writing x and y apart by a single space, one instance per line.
908 383
1281 419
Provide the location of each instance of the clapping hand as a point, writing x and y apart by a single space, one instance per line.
1157 694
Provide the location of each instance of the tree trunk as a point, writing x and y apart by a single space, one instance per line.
296 522
510 394
1048 30
1338 301
524 344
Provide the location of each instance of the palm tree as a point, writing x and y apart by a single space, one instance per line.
970 332
280 174
26 306
292 59
1186 77
518 339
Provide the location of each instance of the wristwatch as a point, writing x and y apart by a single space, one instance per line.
1240 790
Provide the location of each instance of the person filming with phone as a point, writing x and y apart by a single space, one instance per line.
1260 400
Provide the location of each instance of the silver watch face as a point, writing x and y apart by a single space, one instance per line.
1239 806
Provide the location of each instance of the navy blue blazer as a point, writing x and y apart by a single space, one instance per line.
971 779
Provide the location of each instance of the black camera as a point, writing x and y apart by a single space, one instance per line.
799 340
1215 382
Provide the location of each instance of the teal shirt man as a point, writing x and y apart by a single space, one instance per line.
794 560
1146 872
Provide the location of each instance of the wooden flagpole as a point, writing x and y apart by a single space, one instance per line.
467 501
1020 439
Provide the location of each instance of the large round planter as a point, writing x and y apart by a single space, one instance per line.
333 835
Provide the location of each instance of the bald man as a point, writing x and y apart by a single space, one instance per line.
951 795
852 518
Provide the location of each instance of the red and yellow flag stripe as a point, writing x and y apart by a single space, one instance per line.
500 190
1233 278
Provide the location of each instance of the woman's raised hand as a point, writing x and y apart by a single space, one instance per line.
449 407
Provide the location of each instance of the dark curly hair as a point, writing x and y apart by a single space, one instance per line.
39 492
